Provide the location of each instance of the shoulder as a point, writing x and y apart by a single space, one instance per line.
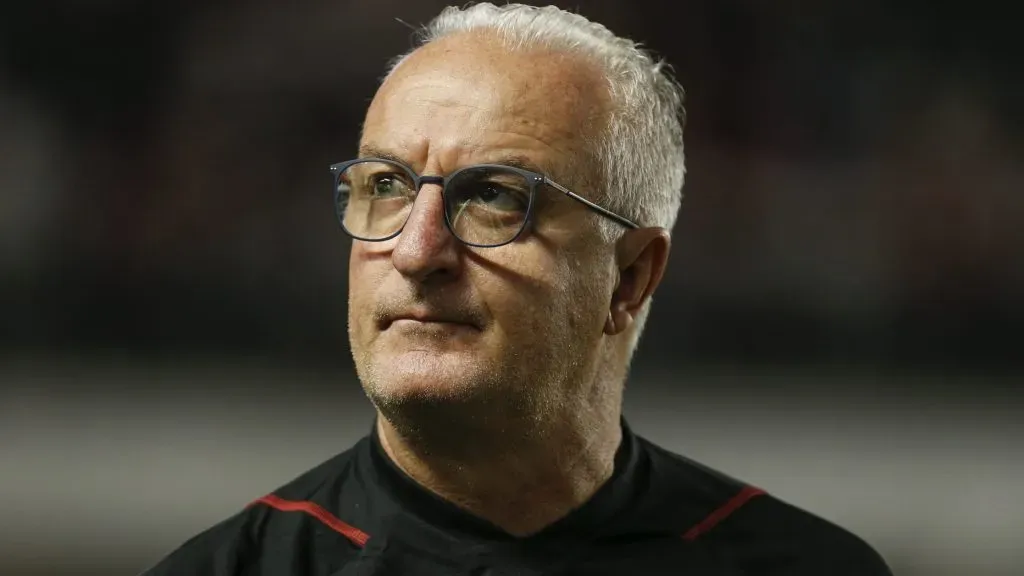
229 546
770 534
216 551
760 533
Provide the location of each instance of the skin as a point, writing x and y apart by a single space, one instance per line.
497 373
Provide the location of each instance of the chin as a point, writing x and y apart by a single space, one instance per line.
434 399
444 399
426 376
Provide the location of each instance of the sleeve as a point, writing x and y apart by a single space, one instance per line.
221 550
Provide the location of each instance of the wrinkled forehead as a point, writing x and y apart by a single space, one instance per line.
471 90
526 70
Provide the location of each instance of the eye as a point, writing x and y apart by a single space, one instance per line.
386 185
372 180
500 197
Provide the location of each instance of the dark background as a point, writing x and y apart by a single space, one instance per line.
840 323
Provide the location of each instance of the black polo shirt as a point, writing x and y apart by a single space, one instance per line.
359 515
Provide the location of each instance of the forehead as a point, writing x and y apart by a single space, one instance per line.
467 98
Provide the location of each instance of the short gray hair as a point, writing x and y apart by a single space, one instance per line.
639 155
641 149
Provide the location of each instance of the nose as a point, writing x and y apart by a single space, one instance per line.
426 248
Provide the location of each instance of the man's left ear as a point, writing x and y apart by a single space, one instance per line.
642 256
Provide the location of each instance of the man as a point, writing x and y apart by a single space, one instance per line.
517 178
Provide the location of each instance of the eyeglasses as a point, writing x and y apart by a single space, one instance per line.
486 205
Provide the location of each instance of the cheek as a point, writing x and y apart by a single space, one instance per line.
538 298
364 276
584 298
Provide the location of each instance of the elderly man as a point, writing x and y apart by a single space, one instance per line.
517 178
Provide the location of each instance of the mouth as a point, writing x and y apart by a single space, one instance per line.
414 319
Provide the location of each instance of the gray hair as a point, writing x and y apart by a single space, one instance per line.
640 153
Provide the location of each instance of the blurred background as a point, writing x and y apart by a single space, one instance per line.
841 323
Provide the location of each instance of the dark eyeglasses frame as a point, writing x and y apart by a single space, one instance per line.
535 179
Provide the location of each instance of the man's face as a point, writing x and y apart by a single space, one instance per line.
435 324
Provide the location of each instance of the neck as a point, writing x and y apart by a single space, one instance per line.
520 486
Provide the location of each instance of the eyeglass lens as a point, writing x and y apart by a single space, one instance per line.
483 206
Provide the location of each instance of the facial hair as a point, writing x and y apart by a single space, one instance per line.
500 402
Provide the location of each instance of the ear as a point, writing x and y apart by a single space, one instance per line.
642 256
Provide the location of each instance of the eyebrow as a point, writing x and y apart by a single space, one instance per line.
370 151
512 160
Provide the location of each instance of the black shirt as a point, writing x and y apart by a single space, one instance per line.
359 515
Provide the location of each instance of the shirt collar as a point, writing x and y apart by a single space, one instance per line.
595 518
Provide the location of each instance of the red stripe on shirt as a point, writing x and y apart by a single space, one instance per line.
359 538
723 512
355 535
